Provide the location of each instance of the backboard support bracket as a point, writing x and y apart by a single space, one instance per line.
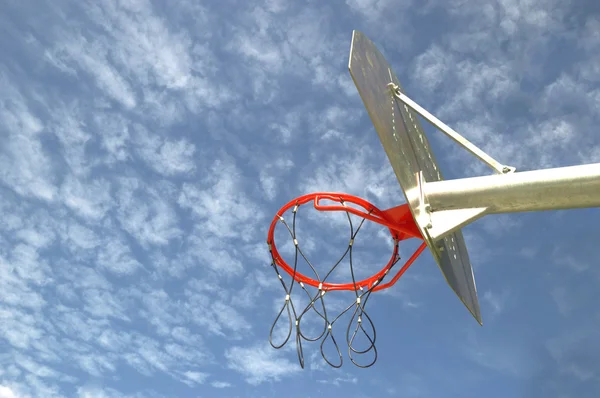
459 139
441 223
447 206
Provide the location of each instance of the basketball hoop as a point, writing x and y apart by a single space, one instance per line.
435 211
401 226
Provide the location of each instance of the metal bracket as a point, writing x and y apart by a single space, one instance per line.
423 210
439 224
459 139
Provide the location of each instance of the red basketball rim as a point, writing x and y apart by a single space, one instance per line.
398 220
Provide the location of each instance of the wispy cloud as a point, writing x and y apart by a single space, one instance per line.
487 77
220 384
195 377
146 213
220 203
259 363
271 176
7 392
497 301
146 147
504 358
165 155
26 166
337 381
572 367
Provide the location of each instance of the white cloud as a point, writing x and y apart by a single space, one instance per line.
357 172
265 52
26 262
432 67
213 315
39 236
35 368
489 79
103 304
338 381
196 377
116 257
15 290
220 384
569 261
168 67
372 9
221 203
16 117
569 301
504 357
7 392
478 82
115 136
93 59
74 135
89 199
496 301
208 252
271 175
97 392
82 237
146 213
158 309
114 340
165 155
307 48
259 363
25 165
574 351
18 328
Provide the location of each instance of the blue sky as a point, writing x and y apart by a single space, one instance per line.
146 145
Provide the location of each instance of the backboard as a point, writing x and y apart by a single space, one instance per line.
412 160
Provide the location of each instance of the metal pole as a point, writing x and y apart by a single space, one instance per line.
549 189
484 157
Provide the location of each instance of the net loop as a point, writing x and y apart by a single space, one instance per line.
287 306
329 336
401 225
323 316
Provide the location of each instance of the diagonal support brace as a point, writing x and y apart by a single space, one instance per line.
459 139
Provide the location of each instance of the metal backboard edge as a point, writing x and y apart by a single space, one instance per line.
409 153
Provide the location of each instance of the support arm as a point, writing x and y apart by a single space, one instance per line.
549 189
